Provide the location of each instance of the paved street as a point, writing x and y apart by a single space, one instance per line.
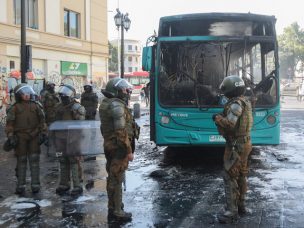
169 188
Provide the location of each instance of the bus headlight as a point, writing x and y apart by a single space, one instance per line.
164 120
271 119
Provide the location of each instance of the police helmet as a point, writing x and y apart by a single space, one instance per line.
232 86
67 90
117 84
88 87
23 89
50 85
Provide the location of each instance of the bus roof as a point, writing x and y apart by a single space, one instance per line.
238 16
203 23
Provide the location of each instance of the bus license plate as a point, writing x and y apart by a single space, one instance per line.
216 138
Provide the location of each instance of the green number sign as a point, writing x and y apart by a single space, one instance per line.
73 68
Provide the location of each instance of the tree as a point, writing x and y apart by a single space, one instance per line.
113 62
291 46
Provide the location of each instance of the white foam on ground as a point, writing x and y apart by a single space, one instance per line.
20 206
82 199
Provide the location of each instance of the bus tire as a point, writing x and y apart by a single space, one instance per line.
136 110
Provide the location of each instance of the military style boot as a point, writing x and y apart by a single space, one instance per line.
62 189
77 188
119 213
242 208
20 190
35 172
21 175
230 215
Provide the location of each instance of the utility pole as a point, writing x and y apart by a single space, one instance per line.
23 56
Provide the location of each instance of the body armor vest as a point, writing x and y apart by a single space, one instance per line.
245 121
66 112
28 116
89 99
90 103
106 118
131 125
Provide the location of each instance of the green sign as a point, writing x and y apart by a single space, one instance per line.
74 69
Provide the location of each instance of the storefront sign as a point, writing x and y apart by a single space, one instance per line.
74 69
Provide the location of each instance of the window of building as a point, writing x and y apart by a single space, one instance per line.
31 8
130 69
136 59
136 68
71 24
12 64
130 47
130 58
135 48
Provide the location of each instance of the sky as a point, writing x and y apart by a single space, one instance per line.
145 14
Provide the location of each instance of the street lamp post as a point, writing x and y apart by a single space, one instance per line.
23 43
123 21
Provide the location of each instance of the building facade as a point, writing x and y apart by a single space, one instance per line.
132 54
69 42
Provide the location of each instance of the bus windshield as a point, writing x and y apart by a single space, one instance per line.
190 72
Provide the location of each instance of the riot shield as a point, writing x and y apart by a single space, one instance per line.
75 138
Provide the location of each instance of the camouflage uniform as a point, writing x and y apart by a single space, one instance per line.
68 164
132 128
234 125
25 121
90 102
49 101
116 145
116 121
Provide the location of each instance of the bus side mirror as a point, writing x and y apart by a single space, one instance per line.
147 58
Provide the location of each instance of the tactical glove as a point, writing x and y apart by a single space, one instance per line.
13 140
7 146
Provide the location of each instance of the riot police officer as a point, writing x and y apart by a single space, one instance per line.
68 109
234 124
89 100
49 100
115 119
25 122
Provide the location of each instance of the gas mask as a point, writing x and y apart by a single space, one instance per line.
51 89
65 100
87 89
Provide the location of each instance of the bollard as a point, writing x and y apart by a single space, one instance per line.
136 110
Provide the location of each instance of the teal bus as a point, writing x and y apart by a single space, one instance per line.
188 60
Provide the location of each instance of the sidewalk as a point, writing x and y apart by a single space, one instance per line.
291 103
